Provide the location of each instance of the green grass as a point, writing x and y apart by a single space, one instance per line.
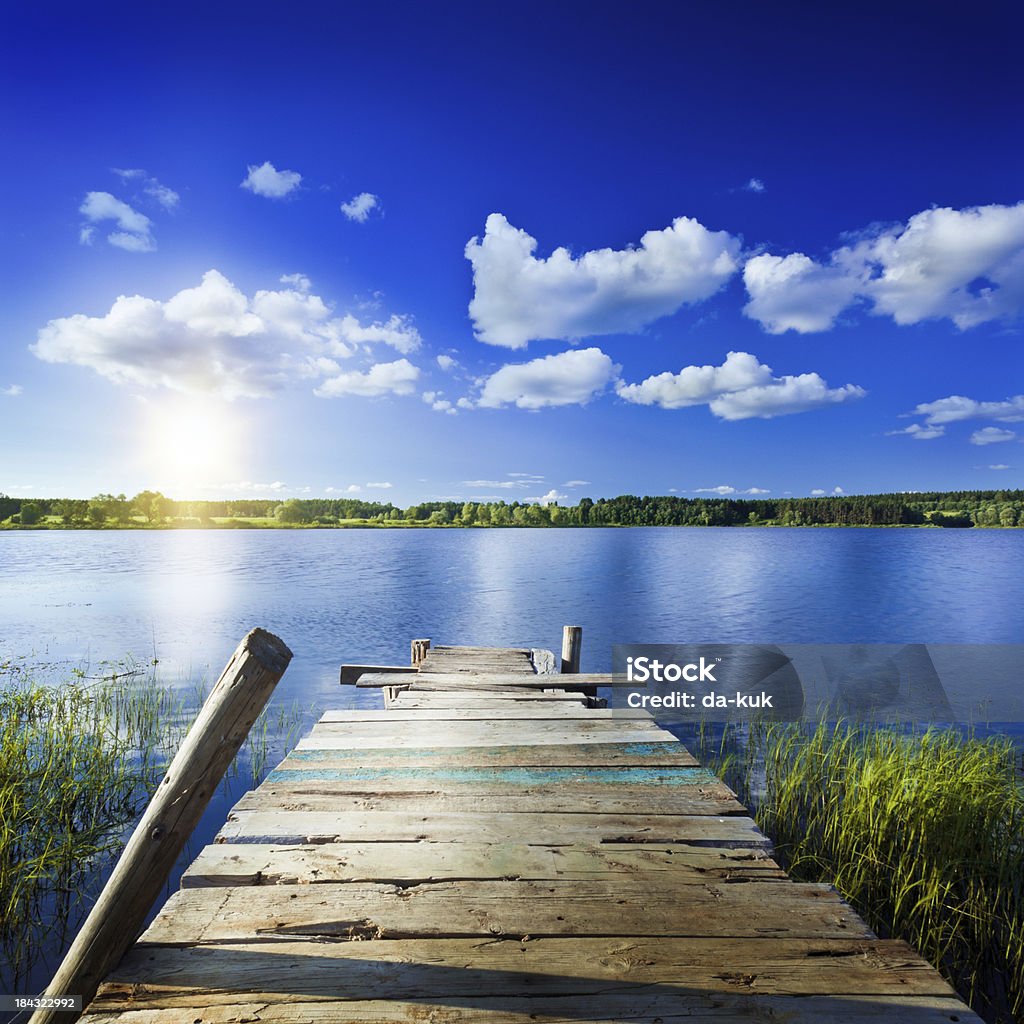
923 834
79 760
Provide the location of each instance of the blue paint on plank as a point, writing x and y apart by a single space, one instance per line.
637 750
514 776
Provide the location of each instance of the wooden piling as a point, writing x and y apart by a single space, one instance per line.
197 769
419 650
572 643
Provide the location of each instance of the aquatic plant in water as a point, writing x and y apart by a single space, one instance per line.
921 832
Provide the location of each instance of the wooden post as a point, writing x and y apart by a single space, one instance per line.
419 650
572 642
197 769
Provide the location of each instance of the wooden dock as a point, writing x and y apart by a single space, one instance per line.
495 847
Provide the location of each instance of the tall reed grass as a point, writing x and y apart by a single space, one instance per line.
922 833
79 760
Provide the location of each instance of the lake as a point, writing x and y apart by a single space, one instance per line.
187 597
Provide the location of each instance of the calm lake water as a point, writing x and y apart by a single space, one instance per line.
187 597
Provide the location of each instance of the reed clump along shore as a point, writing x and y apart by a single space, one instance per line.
922 833
80 757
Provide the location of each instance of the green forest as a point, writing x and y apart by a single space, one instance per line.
153 510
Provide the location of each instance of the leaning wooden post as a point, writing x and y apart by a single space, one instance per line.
197 769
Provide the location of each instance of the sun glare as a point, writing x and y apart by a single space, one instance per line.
191 444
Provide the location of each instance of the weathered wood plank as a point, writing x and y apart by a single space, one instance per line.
411 863
713 798
640 781
590 968
453 827
481 733
659 1005
349 674
507 712
597 755
492 698
513 909
437 676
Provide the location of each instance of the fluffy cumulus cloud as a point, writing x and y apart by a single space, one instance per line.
965 265
397 331
795 293
741 388
447 363
438 403
518 297
214 339
359 207
992 435
568 378
132 228
958 407
939 414
12 390
266 180
396 378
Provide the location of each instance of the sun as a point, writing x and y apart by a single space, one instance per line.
190 443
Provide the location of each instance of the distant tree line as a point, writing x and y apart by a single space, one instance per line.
949 509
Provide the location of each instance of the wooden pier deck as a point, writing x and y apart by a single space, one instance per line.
493 847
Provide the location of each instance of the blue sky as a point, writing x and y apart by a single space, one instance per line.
481 250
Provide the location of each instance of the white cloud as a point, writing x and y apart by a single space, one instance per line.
383 485
213 339
526 476
817 492
353 489
519 298
919 432
754 185
697 385
725 489
576 483
299 282
437 403
134 234
551 498
359 207
741 388
12 390
795 293
85 234
838 490
505 484
965 265
397 331
396 378
992 435
568 378
957 407
447 363
165 196
266 180
1000 465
